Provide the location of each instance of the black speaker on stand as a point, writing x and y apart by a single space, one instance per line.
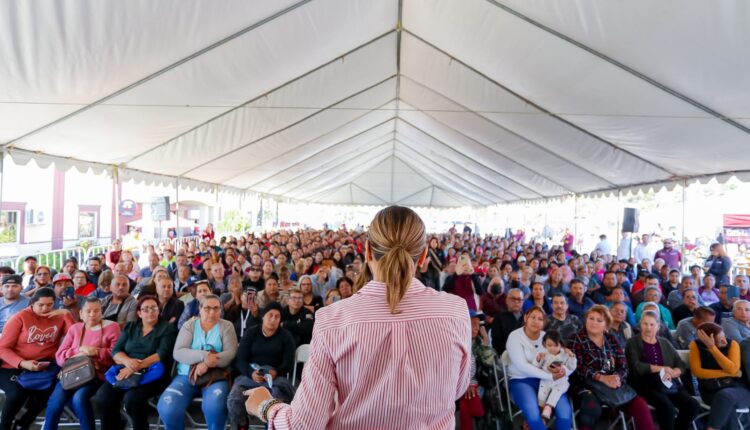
630 220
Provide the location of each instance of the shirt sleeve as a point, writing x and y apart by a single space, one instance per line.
518 359
166 343
313 404
67 348
729 365
11 332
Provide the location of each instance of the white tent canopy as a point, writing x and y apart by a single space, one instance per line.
415 102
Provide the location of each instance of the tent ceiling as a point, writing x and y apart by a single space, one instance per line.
424 103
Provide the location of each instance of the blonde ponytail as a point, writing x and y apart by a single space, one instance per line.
397 239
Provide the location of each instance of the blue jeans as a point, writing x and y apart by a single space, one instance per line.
177 397
80 402
524 391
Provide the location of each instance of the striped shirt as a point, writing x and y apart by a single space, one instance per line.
387 371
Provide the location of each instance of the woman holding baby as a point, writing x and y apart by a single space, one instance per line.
535 372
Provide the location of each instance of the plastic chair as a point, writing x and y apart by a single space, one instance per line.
300 356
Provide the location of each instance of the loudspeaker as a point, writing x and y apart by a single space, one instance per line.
630 220
160 208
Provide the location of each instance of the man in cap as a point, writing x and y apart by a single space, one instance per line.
65 297
12 300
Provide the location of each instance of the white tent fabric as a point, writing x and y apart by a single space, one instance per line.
415 102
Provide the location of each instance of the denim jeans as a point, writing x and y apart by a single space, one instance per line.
524 391
177 397
80 402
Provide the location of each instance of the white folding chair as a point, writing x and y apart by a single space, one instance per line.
300 356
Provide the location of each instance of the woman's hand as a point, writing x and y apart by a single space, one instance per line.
90 351
30 365
257 378
706 339
211 360
255 398
132 364
201 369
612 381
124 373
57 312
471 392
557 372
540 356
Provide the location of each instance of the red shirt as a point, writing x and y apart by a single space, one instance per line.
387 371
85 290
28 336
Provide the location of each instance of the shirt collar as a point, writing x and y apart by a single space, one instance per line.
375 288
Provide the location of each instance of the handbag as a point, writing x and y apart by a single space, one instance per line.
214 374
142 377
612 397
39 380
79 371
712 385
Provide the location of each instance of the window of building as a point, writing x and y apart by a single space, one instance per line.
9 226
87 224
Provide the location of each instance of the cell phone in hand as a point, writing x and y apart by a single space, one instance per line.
69 292
43 364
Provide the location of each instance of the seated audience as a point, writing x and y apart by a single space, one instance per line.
737 327
142 344
12 300
687 329
119 306
560 321
523 346
506 322
266 349
296 319
94 337
601 360
29 342
204 349
715 361
654 364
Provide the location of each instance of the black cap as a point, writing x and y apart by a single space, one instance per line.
30 257
273 306
13 279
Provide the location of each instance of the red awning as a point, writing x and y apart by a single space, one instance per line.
736 220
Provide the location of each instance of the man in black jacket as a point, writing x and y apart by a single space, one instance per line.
297 319
507 321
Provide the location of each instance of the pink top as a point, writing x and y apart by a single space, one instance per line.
395 371
104 339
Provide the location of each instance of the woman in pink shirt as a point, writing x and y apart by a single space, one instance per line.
94 337
395 355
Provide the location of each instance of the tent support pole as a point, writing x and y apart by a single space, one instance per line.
575 219
2 180
682 239
618 233
177 209
116 197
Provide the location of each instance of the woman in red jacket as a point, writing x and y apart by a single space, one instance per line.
29 342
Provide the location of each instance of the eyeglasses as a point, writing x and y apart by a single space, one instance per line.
516 299
149 308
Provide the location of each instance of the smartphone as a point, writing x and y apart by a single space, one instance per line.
43 364
69 292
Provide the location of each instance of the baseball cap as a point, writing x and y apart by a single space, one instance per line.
13 279
61 277
521 259
193 281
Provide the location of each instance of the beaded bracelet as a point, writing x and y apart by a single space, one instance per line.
265 407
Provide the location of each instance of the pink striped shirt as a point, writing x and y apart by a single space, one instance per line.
402 371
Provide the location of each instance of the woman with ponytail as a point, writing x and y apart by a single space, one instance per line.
396 354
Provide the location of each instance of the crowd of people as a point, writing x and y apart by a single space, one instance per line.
218 316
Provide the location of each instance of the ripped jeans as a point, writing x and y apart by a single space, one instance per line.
177 397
